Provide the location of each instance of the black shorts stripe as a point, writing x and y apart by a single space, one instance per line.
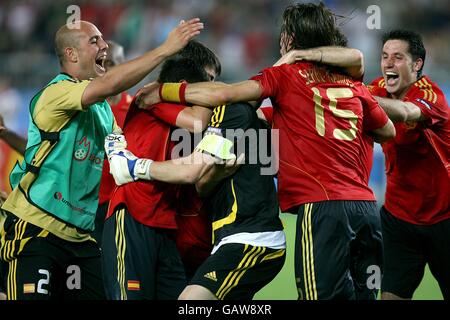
308 255
232 280
121 248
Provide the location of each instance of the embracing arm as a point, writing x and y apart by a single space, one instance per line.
400 111
187 170
350 59
194 119
384 133
212 177
213 94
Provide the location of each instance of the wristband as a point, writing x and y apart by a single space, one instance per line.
142 169
173 92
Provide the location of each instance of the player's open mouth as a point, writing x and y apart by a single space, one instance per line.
100 63
391 78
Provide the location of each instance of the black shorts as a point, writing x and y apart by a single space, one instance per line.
408 248
140 262
100 222
338 250
238 271
41 266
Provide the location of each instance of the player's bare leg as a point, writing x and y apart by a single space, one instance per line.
391 296
196 292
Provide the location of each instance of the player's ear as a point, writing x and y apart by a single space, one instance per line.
71 54
417 65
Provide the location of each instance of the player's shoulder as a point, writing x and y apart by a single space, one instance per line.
425 83
378 82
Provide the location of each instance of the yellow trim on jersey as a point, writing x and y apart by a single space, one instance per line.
121 246
231 217
218 115
232 279
308 255
427 89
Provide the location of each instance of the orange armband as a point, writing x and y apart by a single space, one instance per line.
173 92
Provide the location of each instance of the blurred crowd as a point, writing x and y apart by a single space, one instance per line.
244 33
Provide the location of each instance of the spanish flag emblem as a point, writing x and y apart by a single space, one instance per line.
29 288
133 285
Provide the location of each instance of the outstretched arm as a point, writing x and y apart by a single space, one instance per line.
126 75
209 94
400 111
350 59
15 141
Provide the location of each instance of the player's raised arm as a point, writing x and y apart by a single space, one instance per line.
128 74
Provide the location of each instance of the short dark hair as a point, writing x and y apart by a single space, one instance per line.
177 69
310 25
202 55
415 44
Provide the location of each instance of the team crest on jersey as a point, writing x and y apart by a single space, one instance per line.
82 149
424 103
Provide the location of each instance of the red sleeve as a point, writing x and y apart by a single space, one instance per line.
268 113
374 115
268 80
430 99
378 87
167 112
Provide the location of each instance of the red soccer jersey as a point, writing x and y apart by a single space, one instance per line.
193 236
417 160
325 152
107 183
151 203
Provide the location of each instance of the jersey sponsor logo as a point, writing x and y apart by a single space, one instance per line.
59 197
424 103
211 276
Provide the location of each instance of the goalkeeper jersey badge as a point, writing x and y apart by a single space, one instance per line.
82 149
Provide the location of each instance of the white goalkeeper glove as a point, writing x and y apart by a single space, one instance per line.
126 167
113 143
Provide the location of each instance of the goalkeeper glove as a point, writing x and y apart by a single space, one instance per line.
126 167
113 143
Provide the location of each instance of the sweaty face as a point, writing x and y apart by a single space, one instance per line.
91 51
398 69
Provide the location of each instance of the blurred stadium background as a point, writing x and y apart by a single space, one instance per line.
244 34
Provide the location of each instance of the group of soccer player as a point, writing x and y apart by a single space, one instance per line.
206 225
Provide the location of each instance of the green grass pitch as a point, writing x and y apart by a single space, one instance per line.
283 286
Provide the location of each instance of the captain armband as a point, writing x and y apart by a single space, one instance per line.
173 92
217 146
